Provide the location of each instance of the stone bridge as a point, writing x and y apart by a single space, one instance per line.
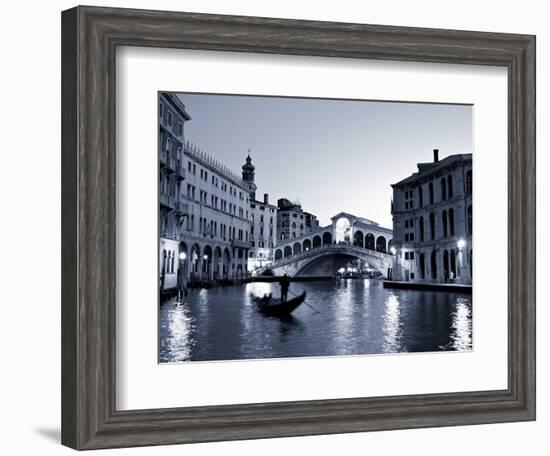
329 257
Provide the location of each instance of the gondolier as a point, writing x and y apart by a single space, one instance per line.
284 282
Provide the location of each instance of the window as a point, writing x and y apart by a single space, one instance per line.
469 182
431 192
421 228
420 196
450 186
469 217
432 226
160 110
169 118
452 221
412 255
444 221
443 189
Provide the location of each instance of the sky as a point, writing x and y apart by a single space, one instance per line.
329 155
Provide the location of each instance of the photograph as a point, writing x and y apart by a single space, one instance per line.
312 227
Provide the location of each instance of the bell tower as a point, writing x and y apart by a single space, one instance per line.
248 176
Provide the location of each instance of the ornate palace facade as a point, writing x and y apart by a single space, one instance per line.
432 222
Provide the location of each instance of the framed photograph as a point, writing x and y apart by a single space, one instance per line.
269 227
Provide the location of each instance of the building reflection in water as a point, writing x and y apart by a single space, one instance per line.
179 341
392 325
351 317
461 327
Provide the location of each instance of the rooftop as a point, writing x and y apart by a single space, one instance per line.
426 169
214 164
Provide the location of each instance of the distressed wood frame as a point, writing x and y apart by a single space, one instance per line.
90 36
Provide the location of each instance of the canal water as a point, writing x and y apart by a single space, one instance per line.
353 317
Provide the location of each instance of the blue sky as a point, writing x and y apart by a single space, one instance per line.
331 155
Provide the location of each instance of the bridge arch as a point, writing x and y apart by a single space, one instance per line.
369 241
339 259
287 251
278 254
359 239
327 238
316 241
381 244
306 245
296 248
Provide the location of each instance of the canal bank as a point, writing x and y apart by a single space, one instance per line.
454 287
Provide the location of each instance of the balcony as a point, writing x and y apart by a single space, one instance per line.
240 244
179 169
163 159
167 201
181 208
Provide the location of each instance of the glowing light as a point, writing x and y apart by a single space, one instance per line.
393 250
461 244
205 257
183 256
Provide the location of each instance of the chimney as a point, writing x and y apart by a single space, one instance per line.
266 198
436 155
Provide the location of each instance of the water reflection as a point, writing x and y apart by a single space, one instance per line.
392 325
355 317
176 344
461 336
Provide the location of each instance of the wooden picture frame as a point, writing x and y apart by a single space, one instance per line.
90 36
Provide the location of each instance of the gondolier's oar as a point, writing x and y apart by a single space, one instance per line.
306 303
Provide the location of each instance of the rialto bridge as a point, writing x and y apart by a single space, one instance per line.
347 238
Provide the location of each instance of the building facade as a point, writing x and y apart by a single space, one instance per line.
204 208
263 222
432 222
293 221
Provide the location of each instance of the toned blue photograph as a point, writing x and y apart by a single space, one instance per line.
308 227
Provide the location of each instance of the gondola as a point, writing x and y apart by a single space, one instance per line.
276 307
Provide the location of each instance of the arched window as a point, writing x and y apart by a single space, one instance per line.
443 183
278 254
445 264
469 182
294 225
422 264
444 221
327 238
296 248
433 264
453 264
452 221
381 244
420 196
316 242
288 251
431 192
358 239
421 228
301 226
168 146
369 241
163 269
450 186
432 226
469 218
307 245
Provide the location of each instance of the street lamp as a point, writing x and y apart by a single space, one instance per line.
393 250
461 244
